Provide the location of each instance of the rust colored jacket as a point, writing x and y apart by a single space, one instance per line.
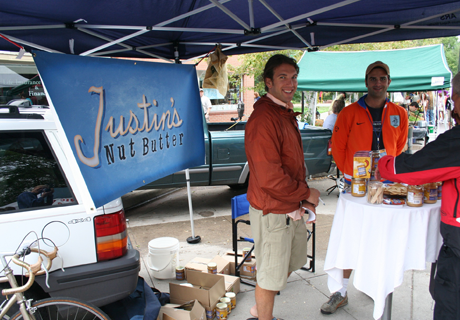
353 132
277 179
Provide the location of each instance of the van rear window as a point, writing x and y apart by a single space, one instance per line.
30 177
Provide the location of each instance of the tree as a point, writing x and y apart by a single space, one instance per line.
253 64
451 48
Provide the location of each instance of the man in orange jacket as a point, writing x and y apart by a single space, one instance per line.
371 123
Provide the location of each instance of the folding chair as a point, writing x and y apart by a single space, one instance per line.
240 207
330 189
312 257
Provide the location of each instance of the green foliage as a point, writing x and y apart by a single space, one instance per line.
306 116
253 64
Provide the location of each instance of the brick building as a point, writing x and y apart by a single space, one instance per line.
224 109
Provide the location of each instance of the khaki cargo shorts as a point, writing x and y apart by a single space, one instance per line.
279 247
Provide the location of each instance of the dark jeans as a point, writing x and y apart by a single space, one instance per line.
447 286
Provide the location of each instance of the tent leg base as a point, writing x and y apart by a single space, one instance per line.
193 240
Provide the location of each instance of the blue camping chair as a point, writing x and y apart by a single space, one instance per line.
240 207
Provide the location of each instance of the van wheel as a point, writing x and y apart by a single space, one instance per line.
240 186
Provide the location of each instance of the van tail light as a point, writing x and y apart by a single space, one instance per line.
329 147
111 235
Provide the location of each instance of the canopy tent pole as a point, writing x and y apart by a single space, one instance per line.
308 15
133 35
251 14
287 25
231 14
193 239
407 25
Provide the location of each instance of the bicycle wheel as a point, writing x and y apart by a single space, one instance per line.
64 309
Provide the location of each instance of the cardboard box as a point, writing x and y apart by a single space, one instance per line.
207 289
247 270
232 283
197 264
240 253
201 264
177 312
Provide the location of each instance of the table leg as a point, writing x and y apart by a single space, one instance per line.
387 310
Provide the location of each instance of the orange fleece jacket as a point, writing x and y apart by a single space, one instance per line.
353 132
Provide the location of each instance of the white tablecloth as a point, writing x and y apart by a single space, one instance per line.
380 242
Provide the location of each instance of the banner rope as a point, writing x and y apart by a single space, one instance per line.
17 45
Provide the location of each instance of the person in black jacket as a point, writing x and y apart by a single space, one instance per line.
438 161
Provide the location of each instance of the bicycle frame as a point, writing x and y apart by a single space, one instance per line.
16 290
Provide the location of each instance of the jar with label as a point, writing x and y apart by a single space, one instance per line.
212 267
414 196
358 187
180 273
439 190
232 297
430 193
228 302
221 311
375 192
375 157
245 253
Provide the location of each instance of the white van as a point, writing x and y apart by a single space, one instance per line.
43 195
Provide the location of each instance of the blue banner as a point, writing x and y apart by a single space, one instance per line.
128 122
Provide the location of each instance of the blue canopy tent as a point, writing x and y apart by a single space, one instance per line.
175 30
188 29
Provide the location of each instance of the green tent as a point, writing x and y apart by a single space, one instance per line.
414 69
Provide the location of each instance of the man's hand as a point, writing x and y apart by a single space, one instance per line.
314 197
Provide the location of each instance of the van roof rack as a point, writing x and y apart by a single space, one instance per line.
15 114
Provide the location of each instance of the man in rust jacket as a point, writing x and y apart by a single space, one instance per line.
438 161
277 190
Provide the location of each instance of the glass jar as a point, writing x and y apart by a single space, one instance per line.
232 297
245 253
221 311
439 190
228 302
430 193
358 187
180 273
375 192
212 267
375 157
414 196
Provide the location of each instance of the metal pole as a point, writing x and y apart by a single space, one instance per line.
387 310
410 135
303 101
191 239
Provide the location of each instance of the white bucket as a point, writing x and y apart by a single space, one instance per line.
163 257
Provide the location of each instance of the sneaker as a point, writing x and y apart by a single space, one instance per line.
335 301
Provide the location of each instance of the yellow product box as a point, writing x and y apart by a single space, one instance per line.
362 165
